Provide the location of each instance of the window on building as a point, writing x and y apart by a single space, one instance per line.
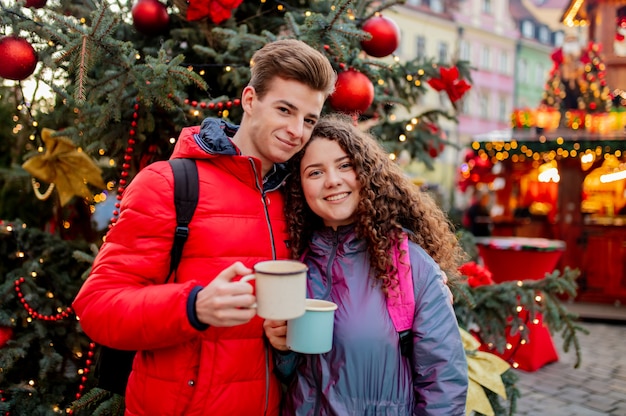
486 6
464 50
436 6
528 29
442 52
399 50
485 59
544 35
466 103
483 105
504 62
558 38
522 70
420 47
541 73
503 109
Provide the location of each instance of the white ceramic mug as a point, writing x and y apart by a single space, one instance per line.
312 333
280 289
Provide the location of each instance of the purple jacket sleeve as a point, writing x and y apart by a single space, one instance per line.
439 363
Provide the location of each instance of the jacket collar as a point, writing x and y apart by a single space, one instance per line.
214 138
344 238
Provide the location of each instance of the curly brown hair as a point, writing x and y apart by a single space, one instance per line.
390 204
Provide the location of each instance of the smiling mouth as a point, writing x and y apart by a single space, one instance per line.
287 142
337 197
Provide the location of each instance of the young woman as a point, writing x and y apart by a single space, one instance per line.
347 204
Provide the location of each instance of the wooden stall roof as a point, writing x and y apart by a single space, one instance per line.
575 13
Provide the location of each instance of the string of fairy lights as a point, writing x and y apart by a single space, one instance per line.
220 108
546 150
62 313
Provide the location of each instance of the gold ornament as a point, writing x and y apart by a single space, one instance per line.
485 371
68 168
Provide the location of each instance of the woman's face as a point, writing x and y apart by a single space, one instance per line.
329 182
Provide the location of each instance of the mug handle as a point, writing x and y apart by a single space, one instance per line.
247 278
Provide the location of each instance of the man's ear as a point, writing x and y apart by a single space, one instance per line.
248 96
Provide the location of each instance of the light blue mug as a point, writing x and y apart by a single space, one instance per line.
312 333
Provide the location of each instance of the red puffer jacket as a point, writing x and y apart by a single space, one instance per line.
182 370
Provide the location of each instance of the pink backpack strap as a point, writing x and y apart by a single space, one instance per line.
401 299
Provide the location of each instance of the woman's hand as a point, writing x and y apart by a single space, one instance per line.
276 333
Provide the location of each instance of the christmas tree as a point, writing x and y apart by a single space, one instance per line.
123 79
97 90
576 86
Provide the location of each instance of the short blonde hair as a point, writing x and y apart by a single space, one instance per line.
291 59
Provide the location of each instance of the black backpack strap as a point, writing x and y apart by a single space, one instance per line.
114 366
186 190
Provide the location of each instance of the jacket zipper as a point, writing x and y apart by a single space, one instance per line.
329 284
329 267
259 186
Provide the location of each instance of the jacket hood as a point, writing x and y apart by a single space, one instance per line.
212 139
209 140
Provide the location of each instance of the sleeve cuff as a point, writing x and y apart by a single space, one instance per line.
191 310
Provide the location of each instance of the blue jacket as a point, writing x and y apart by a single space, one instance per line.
365 373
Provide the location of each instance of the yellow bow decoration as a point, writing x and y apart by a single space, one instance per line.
484 370
68 168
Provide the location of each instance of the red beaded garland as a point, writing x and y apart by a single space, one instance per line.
130 148
213 106
34 313
85 371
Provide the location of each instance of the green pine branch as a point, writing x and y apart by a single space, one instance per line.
493 310
103 403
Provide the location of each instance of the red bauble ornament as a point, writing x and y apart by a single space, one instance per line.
354 92
150 17
35 4
385 36
6 333
18 58
434 149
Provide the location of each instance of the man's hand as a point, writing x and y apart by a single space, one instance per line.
276 333
224 302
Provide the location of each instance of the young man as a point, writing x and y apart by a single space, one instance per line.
201 347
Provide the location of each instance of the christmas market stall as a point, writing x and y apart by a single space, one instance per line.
559 175
564 185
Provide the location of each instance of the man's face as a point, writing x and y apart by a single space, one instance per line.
279 124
